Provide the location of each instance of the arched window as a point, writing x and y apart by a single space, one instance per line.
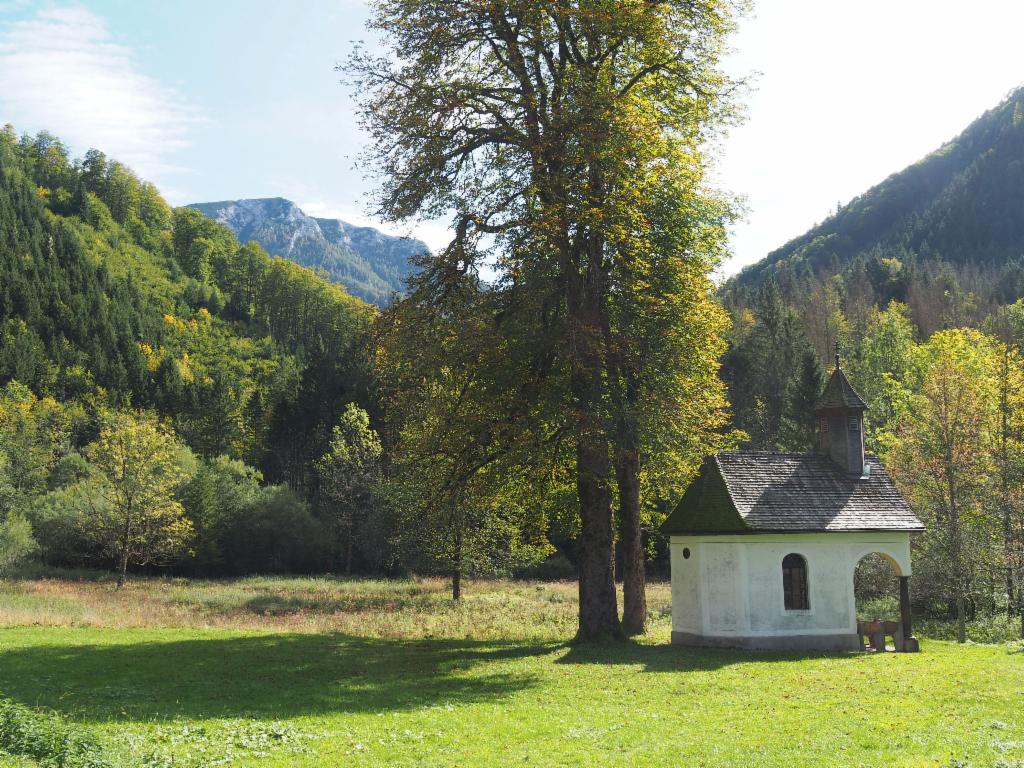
794 582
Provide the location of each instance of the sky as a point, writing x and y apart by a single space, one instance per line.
226 99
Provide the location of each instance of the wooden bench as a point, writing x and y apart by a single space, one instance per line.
873 634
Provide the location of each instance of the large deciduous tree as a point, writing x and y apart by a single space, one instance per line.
663 341
566 138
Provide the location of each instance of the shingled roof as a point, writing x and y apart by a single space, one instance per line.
764 492
839 393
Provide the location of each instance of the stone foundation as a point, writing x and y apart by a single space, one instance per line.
846 641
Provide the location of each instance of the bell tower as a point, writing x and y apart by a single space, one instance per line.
840 412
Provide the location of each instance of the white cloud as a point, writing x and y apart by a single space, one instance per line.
61 71
6 6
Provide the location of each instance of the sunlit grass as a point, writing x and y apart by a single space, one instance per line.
323 672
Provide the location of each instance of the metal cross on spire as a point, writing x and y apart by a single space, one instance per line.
837 354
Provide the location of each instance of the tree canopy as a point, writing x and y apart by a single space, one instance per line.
567 141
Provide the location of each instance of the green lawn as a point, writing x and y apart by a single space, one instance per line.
338 684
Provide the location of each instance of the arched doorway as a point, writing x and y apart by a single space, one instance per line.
882 599
876 586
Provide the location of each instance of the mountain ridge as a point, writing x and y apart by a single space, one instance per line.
367 262
959 204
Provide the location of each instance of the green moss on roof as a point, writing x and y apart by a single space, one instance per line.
706 506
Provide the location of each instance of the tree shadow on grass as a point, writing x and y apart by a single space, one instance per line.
681 658
275 676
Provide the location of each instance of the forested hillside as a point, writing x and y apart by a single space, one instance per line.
121 316
368 263
956 214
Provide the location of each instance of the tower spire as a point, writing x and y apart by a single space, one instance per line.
840 412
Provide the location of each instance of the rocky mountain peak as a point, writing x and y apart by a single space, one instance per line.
367 262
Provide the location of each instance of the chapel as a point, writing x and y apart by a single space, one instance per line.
764 545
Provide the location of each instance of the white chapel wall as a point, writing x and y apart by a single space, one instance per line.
732 585
686 589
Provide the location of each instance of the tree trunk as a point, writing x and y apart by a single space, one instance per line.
956 549
624 395
634 596
599 617
961 618
348 550
959 588
598 609
457 568
906 613
1004 477
126 537
122 568
1011 598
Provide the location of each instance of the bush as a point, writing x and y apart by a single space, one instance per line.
874 578
985 627
57 520
376 535
277 534
242 528
16 542
218 501
47 739
995 628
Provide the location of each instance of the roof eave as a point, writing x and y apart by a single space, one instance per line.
755 531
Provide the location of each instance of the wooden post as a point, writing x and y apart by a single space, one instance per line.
905 613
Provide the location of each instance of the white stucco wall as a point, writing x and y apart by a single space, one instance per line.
731 586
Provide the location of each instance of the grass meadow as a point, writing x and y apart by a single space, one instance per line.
324 672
